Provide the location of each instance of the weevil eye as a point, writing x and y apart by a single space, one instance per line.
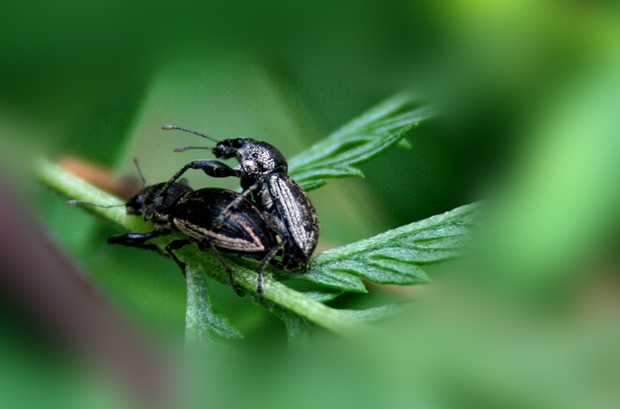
237 143
134 205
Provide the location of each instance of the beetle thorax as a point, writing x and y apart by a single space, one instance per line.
160 218
260 158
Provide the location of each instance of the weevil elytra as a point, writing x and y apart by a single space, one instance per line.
263 171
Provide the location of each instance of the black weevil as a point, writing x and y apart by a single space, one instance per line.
263 172
194 213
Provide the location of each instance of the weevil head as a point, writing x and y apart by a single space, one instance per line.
150 196
137 203
229 148
255 158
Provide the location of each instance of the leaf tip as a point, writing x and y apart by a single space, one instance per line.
404 143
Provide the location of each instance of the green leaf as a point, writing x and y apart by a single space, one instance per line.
323 296
332 278
378 313
297 328
313 184
200 319
366 137
396 256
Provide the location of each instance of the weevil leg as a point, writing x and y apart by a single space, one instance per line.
212 168
225 214
135 240
216 169
263 263
176 245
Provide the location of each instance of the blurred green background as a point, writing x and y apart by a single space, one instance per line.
530 93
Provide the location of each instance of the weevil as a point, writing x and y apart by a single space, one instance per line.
263 171
195 213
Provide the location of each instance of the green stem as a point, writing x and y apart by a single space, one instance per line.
203 262
78 189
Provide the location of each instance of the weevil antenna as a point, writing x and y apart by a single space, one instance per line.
80 202
135 162
185 148
171 127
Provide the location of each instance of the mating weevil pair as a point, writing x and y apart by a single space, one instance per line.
272 217
282 201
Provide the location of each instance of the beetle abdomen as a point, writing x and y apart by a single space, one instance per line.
244 230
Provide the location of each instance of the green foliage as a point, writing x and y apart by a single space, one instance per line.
297 328
397 256
334 279
323 296
379 313
359 141
200 318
